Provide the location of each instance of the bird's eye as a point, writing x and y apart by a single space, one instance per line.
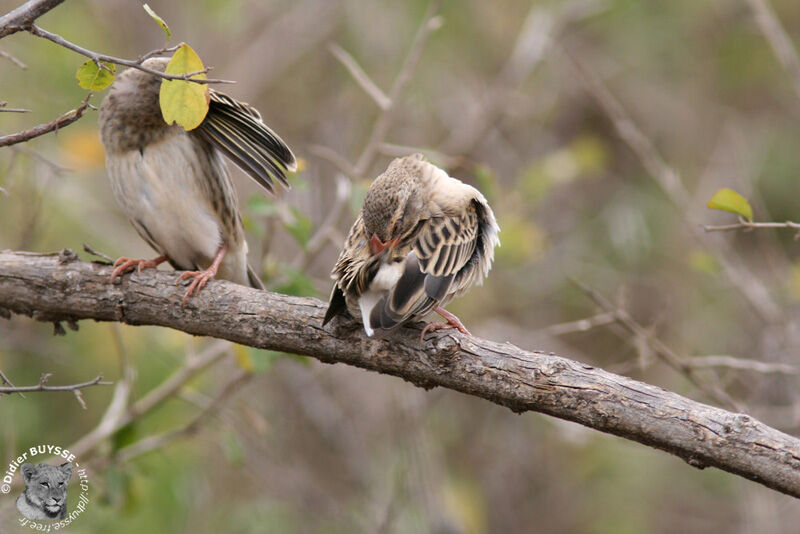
45 484
60 483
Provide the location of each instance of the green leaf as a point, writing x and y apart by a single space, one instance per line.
258 204
125 436
184 102
297 283
159 20
300 228
729 200
94 78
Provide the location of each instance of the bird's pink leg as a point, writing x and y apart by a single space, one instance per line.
123 265
452 322
201 277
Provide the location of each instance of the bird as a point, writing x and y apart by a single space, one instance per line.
421 238
174 186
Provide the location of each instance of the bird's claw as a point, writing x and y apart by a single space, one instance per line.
451 323
201 278
123 265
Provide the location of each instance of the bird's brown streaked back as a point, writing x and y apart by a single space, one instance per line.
436 238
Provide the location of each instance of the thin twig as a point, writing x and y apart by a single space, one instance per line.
57 168
430 23
319 238
361 77
398 151
64 120
97 58
667 355
5 380
112 422
151 443
743 364
42 385
670 182
338 161
749 225
4 109
779 40
93 252
13 60
582 325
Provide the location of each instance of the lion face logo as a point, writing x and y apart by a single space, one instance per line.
45 495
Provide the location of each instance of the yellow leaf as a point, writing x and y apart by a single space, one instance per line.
729 200
702 262
94 78
184 102
243 359
158 20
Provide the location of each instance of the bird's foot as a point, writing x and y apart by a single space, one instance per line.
201 278
123 265
452 322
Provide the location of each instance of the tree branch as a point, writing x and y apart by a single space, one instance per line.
749 225
135 64
59 287
24 16
64 120
42 386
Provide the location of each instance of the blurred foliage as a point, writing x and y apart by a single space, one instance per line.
316 448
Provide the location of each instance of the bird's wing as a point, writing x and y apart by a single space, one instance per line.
442 248
237 130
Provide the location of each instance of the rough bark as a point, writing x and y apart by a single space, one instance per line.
22 17
60 287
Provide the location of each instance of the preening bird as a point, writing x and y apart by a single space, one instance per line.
174 185
422 238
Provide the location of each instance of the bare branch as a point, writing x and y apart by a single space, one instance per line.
13 60
430 23
4 109
320 236
48 289
743 364
779 40
64 120
151 443
55 167
21 18
541 27
749 225
670 357
670 182
397 151
88 248
119 414
97 58
582 325
361 77
42 386
331 156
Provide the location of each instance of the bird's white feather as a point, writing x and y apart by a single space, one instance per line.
385 279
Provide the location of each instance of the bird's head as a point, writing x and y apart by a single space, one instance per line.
393 207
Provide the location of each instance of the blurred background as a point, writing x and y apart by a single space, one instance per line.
598 130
